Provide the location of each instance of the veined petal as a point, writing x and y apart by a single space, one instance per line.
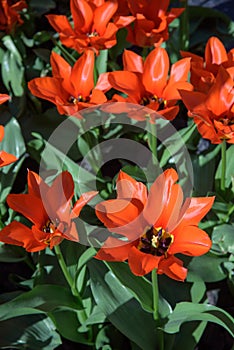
18 234
192 99
61 69
190 240
132 62
127 187
82 74
156 68
141 263
173 268
103 14
82 15
29 206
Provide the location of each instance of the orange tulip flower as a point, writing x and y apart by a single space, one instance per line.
214 112
204 70
9 14
151 23
71 88
92 25
147 82
155 225
49 209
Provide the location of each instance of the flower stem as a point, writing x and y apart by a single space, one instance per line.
152 140
154 277
160 336
82 313
71 60
223 169
184 27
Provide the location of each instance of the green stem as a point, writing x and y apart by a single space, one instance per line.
71 60
223 159
160 336
82 313
154 277
152 139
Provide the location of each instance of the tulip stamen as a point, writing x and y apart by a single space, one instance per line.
155 241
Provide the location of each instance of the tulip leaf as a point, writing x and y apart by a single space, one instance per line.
30 332
12 67
185 312
223 238
140 286
40 298
229 167
10 253
67 323
208 267
122 310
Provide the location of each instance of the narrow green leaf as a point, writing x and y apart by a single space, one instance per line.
185 312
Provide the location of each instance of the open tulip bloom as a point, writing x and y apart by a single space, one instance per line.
50 211
156 225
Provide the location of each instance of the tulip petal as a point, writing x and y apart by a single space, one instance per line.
114 250
127 187
141 263
82 15
36 186
82 74
191 241
48 88
4 98
18 234
29 206
81 202
6 158
173 268
156 69
128 83
103 14
132 62
215 52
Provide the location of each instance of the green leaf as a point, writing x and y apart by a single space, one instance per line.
42 297
29 332
229 167
122 310
185 312
12 67
223 238
13 143
67 324
10 253
208 267
139 286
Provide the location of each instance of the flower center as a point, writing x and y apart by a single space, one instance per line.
155 241
93 34
80 98
50 226
161 102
